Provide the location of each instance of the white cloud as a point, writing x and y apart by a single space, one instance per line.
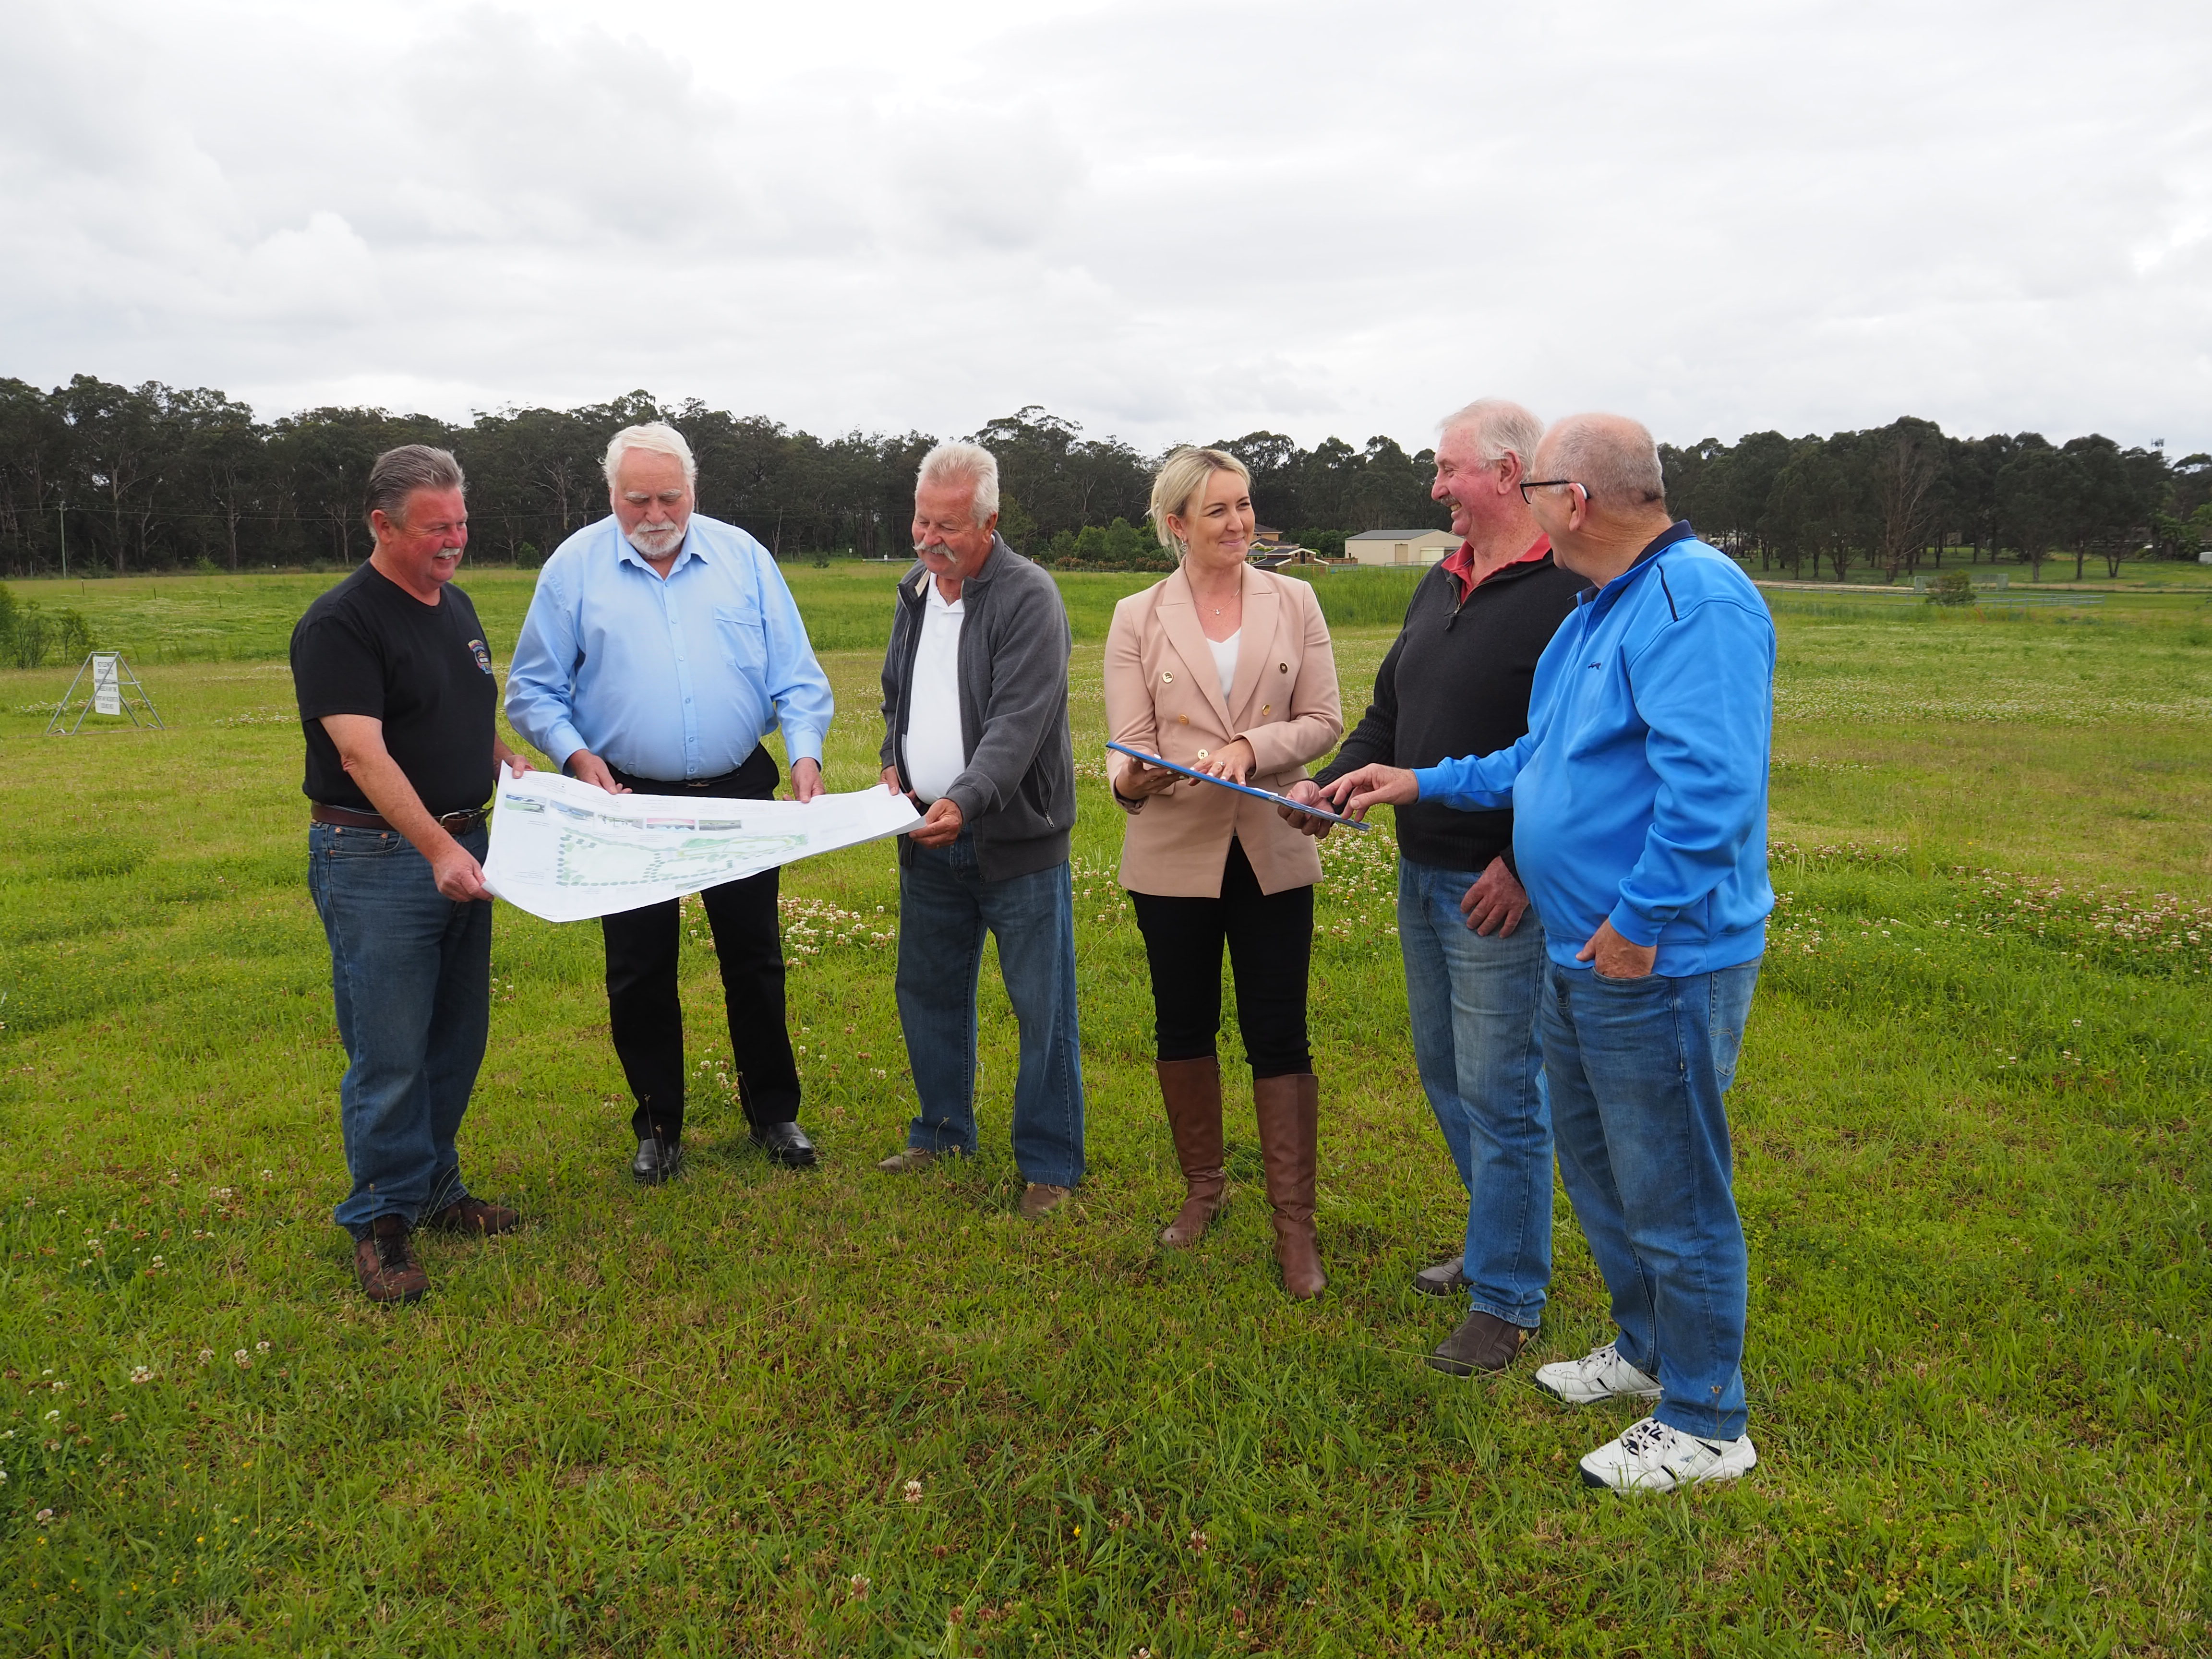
320 275
1170 221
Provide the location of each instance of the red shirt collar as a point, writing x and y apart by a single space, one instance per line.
1461 565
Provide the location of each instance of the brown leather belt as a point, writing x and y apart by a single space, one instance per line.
453 824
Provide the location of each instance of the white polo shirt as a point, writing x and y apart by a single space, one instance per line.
933 753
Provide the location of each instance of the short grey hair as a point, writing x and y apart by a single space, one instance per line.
1612 458
956 463
654 438
1500 426
398 473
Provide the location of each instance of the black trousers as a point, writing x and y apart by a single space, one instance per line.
642 1004
1270 939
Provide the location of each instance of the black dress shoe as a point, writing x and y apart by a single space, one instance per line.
656 1161
786 1144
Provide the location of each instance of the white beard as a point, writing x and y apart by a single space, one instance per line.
657 543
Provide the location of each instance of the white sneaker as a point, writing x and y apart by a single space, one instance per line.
1652 1457
1601 1374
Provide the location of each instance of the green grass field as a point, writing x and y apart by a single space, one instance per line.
179 619
767 1413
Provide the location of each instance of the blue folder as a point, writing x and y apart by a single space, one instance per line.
1241 788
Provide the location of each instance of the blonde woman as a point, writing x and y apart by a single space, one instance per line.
1226 669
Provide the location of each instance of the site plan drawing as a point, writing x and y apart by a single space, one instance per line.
566 851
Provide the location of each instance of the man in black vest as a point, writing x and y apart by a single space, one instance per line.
396 696
1456 683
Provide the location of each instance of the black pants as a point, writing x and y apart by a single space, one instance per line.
642 1004
1270 939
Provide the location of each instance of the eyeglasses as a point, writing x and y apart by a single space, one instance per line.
1553 483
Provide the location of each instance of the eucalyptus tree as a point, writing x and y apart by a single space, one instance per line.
224 454
115 448
2036 496
34 446
1810 507
1908 464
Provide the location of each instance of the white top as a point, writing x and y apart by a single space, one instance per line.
1224 661
933 754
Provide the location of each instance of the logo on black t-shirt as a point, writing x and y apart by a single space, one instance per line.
483 656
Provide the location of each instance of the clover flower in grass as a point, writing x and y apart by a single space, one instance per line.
206 1354
245 1360
860 1587
913 1491
1199 1542
52 1415
44 1515
141 1374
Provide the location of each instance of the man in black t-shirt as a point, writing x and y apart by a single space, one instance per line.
397 697
1456 682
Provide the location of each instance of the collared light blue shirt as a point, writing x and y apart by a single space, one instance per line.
666 678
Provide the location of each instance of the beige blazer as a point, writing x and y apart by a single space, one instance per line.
1164 696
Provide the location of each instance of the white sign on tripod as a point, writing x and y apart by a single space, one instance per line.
106 687
115 690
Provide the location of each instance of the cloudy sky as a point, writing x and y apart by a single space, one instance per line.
1168 220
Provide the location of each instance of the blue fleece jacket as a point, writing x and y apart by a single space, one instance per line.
1640 793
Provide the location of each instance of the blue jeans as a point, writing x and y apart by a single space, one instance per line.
410 972
944 909
1472 1000
1638 1068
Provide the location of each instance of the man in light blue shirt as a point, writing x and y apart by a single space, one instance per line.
1639 827
660 647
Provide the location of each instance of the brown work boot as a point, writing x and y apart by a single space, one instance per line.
1289 1111
1040 1199
1445 1278
1483 1342
475 1218
1192 1089
907 1160
385 1262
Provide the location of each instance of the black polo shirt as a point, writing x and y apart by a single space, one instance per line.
368 647
1456 683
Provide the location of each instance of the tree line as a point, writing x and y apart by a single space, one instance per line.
96 476
101 477
1883 502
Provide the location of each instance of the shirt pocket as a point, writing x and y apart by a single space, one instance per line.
742 637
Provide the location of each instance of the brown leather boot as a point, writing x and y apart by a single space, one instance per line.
1192 1089
1289 1111
476 1218
385 1262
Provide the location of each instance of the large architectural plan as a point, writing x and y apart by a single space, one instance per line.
566 851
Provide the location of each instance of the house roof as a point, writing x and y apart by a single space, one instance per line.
1393 535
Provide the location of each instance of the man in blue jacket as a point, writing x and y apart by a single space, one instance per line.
1639 802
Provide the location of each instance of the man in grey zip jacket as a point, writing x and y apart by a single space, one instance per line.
976 731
